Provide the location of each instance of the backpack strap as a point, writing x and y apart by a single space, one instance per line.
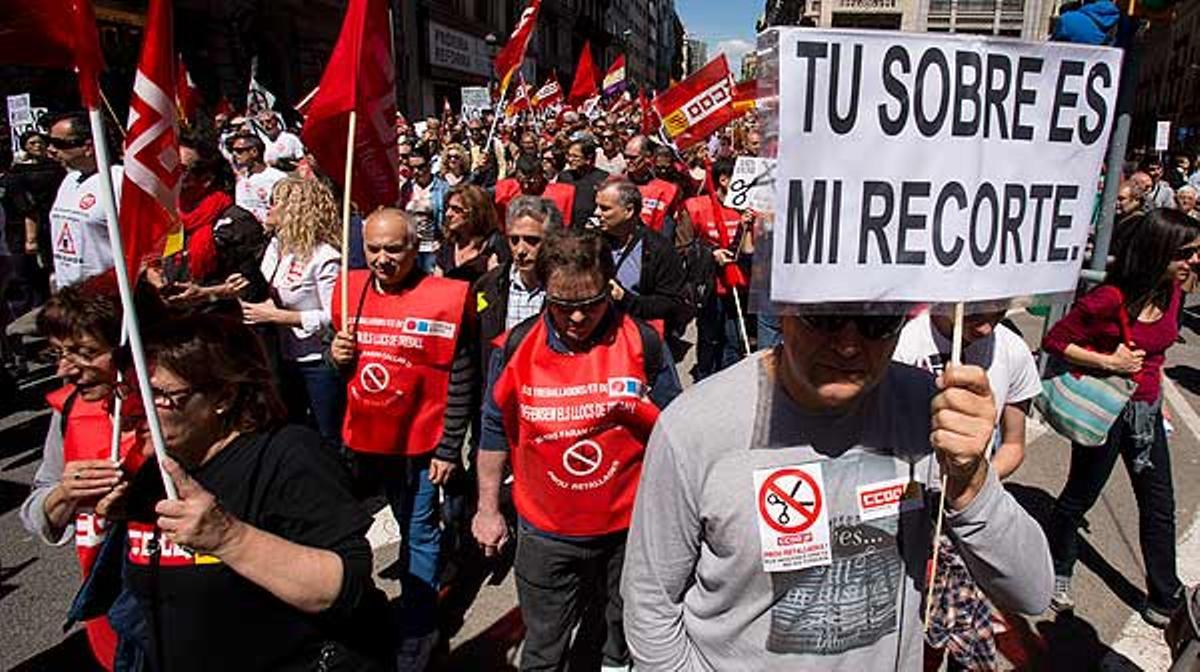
517 334
66 413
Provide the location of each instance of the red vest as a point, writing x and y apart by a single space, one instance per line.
396 401
560 194
577 425
658 200
88 436
700 210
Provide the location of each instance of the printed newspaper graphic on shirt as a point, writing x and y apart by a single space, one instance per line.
976 173
793 518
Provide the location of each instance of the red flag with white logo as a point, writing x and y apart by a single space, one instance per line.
187 94
360 76
549 94
698 106
509 60
150 192
54 34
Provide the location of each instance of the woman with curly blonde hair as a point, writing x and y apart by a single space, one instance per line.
301 265
456 166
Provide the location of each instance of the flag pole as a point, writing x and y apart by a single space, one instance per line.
346 219
108 200
496 117
955 359
115 447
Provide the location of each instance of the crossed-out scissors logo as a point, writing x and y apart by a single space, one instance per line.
790 501
793 517
624 388
583 458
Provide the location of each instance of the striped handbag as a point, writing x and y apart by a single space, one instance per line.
1082 407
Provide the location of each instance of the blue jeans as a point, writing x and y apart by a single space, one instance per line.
770 331
326 398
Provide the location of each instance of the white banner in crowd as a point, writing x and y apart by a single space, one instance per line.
915 167
20 118
753 185
475 99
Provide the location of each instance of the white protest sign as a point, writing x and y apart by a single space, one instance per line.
753 185
1162 136
915 167
475 99
20 117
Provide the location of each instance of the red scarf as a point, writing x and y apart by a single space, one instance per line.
198 230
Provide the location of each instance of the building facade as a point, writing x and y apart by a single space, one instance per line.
1026 19
1169 81
695 54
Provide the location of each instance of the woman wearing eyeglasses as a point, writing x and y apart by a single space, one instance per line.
262 562
473 244
1154 255
570 400
301 265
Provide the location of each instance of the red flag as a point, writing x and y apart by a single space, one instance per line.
731 273
306 101
150 191
360 76
520 99
54 34
745 96
584 86
187 96
512 55
549 94
650 119
698 106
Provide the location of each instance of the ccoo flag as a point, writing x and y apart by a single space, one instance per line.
360 76
509 60
54 34
149 209
698 106
549 94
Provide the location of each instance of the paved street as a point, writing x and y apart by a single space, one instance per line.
37 582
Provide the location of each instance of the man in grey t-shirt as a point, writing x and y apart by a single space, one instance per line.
785 514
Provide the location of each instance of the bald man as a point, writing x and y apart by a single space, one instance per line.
404 346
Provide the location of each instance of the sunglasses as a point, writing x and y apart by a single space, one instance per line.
532 241
581 304
67 143
1185 253
241 150
873 327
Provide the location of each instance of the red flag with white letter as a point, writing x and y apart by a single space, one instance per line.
584 86
360 76
150 192
549 94
698 106
509 60
187 95
54 34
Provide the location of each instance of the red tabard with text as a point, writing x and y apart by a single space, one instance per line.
560 194
658 200
396 400
700 210
89 437
577 424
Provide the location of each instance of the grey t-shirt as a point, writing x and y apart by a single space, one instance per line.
696 594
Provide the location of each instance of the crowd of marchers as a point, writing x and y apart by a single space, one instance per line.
502 366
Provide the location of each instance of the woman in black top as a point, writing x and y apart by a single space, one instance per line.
262 563
473 241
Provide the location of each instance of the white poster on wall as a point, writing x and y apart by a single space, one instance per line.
915 167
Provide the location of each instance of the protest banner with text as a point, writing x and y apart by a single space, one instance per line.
917 167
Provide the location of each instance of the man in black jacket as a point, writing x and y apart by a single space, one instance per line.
583 173
650 282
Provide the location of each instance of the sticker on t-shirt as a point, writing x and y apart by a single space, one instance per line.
66 242
793 518
888 498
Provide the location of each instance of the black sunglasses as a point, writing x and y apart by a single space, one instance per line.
581 304
67 143
242 150
873 327
532 241
1185 253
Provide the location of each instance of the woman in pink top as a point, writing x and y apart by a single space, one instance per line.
1154 256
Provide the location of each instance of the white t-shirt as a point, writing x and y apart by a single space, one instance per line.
254 191
306 286
79 228
1010 366
285 147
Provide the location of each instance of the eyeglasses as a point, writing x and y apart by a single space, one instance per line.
79 355
457 209
67 143
532 241
172 400
422 166
873 327
241 150
1185 253
581 304
630 158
